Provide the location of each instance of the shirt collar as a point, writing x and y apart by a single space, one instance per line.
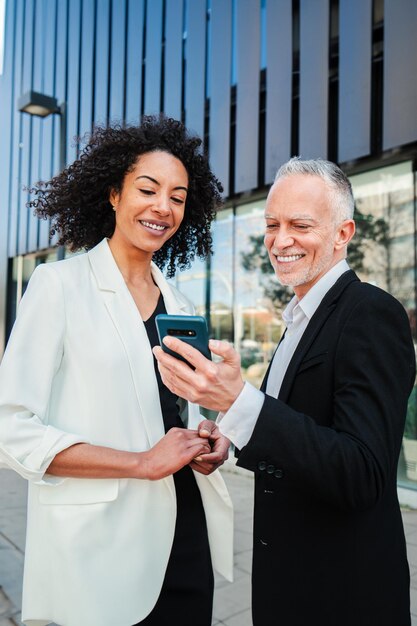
311 301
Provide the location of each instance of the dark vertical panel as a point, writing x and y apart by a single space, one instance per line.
173 58
27 121
314 55
355 56
195 66
101 93
87 69
7 97
117 60
60 82
278 85
135 26
17 121
400 73
46 166
153 57
73 84
247 104
219 88
60 74
37 123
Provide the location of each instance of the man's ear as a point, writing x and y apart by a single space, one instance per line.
344 234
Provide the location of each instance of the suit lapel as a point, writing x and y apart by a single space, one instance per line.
326 307
131 330
265 379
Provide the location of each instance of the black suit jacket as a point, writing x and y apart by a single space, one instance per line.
329 546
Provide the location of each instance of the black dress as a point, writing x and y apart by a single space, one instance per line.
186 597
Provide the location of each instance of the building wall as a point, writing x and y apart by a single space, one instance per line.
260 80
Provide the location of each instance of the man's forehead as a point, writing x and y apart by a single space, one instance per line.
303 196
294 216
294 184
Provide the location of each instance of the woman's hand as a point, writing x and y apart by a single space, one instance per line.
177 448
207 463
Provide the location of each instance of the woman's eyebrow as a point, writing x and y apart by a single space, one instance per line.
157 183
148 177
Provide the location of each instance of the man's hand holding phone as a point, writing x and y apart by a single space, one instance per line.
211 385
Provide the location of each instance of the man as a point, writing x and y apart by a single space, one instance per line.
323 435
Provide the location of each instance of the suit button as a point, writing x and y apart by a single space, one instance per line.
278 473
270 469
261 466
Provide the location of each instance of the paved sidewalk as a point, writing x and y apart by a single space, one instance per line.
231 600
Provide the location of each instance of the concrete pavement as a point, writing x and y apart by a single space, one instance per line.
12 542
231 600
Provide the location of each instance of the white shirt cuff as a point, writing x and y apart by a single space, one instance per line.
238 422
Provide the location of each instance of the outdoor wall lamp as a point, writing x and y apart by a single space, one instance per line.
35 103
41 105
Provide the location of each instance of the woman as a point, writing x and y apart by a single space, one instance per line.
118 521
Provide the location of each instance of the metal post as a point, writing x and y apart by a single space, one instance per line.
62 156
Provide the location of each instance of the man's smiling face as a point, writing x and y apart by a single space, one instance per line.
301 234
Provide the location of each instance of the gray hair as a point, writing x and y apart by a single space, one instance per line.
332 175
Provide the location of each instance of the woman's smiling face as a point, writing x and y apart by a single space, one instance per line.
151 203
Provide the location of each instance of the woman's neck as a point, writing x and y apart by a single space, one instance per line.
134 264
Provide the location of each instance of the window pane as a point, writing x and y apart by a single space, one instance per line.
221 277
385 203
192 283
257 322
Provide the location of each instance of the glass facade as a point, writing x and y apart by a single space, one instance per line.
222 292
257 325
385 199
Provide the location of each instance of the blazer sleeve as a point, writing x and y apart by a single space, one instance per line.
31 360
348 463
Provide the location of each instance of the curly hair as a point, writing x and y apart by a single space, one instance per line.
77 199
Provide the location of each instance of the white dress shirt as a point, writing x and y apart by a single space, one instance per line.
238 422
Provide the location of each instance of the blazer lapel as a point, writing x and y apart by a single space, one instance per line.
325 308
265 378
129 325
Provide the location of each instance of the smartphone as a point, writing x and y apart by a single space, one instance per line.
189 328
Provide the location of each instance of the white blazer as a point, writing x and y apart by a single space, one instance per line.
78 368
